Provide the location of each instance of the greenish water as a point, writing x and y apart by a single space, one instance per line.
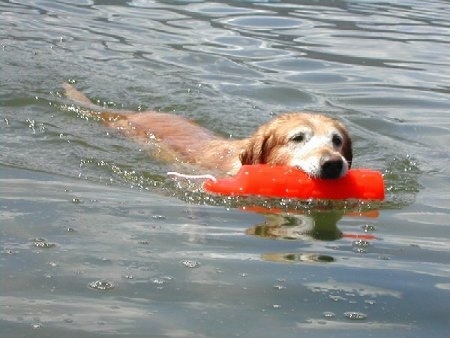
95 240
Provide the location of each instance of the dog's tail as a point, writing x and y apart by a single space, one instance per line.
93 110
78 97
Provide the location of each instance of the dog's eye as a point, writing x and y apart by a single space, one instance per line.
298 138
337 140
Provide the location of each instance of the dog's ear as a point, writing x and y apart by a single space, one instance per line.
348 152
347 149
256 150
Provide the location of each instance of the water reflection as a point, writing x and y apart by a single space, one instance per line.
320 225
316 225
297 257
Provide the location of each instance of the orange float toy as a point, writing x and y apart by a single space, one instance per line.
290 182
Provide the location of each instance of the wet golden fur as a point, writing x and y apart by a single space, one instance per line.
315 143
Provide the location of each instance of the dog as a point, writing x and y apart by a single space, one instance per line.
317 144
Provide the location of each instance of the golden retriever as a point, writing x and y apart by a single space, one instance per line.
317 144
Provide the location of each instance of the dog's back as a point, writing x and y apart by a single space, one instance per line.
174 136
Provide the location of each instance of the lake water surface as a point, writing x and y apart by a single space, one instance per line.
96 241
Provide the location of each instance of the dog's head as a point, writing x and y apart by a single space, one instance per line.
316 144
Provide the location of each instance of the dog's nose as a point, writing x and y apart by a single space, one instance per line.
331 168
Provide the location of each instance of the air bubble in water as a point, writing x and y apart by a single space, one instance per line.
368 228
189 263
329 314
43 244
353 315
158 281
360 246
101 285
361 243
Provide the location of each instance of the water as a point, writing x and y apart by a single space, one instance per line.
95 240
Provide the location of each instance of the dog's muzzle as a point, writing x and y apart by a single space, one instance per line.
332 168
